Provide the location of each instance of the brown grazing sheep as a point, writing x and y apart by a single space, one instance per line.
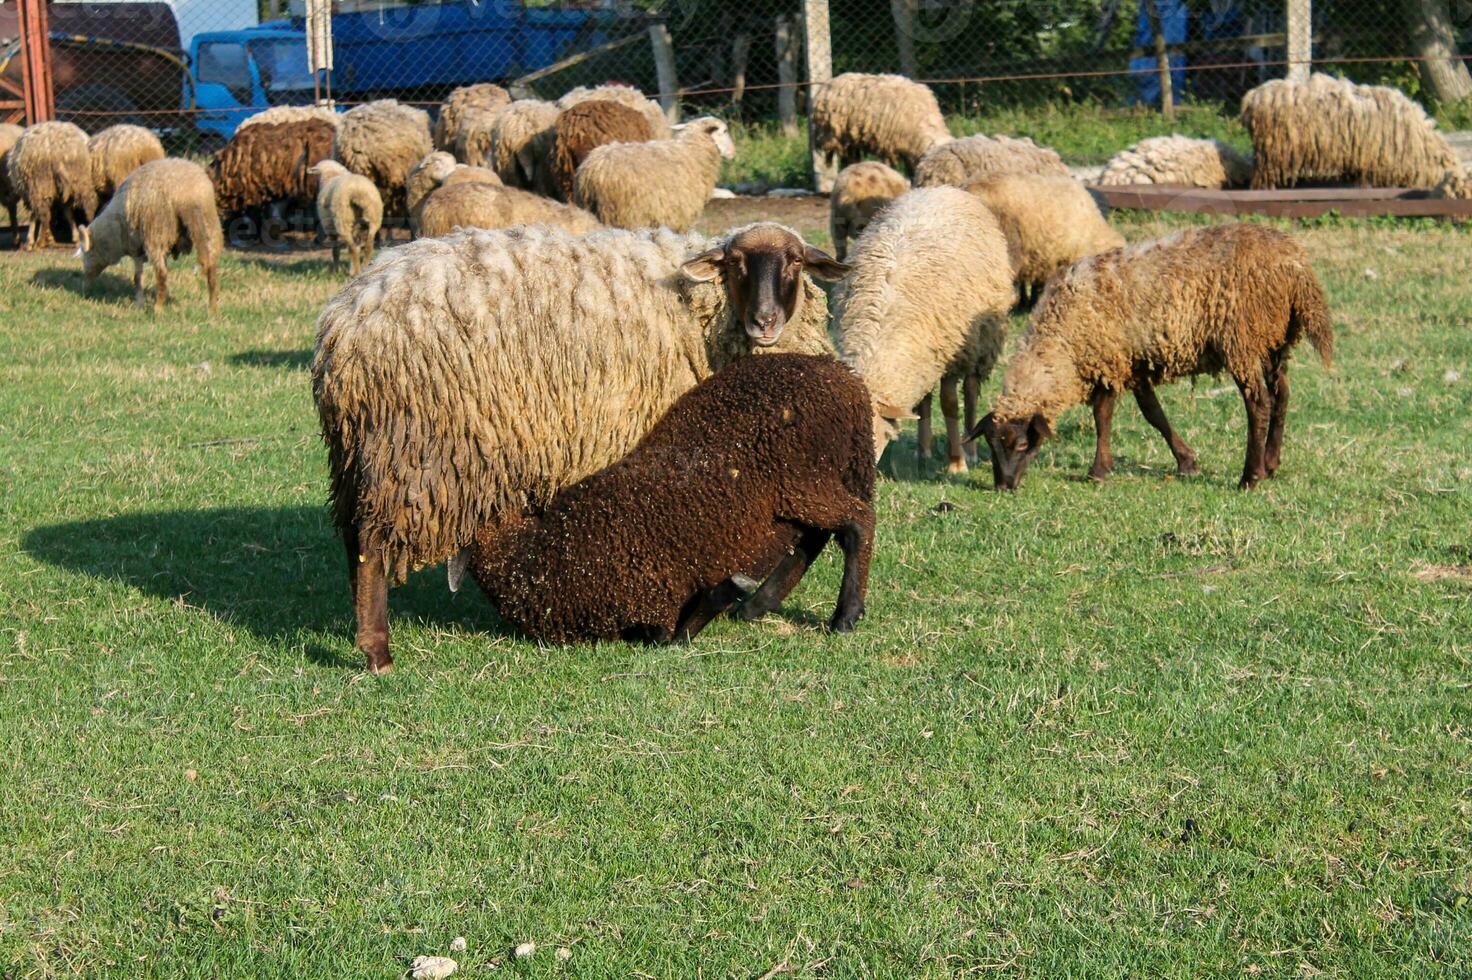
485 97
477 204
270 162
748 474
859 193
9 198
981 157
48 167
588 125
116 152
460 380
1229 297
384 141
885 116
163 209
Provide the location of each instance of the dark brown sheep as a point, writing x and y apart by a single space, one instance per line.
270 162
588 125
748 474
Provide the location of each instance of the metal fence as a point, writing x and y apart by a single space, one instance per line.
196 67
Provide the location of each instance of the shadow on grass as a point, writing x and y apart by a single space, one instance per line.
106 287
275 571
296 360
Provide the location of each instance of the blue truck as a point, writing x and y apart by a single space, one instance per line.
413 53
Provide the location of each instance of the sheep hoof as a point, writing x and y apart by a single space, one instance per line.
1099 474
1188 468
381 669
956 466
845 621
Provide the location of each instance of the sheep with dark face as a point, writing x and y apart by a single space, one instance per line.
453 377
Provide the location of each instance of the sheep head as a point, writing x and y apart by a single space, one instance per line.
1013 443
710 126
761 268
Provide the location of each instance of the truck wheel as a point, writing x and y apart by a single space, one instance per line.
97 107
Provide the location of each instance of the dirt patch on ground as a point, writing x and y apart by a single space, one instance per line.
809 215
1428 572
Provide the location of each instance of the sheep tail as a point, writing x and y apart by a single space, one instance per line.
202 223
1310 316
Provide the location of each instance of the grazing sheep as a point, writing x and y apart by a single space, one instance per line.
1457 186
461 379
48 167
349 212
473 141
1228 297
163 209
383 141
661 182
279 114
749 473
927 302
886 116
1331 130
485 97
624 95
9 198
1179 160
860 191
116 152
586 126
475 204
437 170
1050 223
269 163
965 161
517 144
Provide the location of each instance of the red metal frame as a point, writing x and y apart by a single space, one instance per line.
35 33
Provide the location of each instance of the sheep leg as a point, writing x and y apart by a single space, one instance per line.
856 538
706 606
350 549
1155 415
971 391
924 435
40 224
14 227
1258 401
160 283
370 601
785 576
138 299
1103 402
336 256
212 280
1277 377
950 408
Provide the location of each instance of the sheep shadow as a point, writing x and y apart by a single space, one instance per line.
106 287
305 265
274 571
293 360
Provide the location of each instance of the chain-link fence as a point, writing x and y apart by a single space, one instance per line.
197 67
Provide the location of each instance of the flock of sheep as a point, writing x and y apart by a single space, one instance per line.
550 387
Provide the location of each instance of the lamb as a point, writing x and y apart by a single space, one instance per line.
9 198
860 191
586 126
965 161
116 152
1234 297
48 167
750 472
162 209
278 114
270 162
625 95
1331 130
661 182
1050 223
516 145
886 116
927 302
349 212
1179 160
485 97
460 380
480 205
383 141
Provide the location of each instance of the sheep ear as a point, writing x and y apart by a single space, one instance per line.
1038 428
823 265
84 239
894 414
705 267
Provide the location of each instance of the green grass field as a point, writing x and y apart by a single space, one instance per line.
1153 727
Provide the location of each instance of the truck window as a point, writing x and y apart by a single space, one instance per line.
283 66
225 64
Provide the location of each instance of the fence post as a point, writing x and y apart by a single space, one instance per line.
786 75
903 12
664 68
820 72
36 67
1300 39
1162 59
740 55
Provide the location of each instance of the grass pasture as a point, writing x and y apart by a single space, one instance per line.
1154 727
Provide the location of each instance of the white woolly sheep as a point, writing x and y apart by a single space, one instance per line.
452 378
427 174
1228 297
49 167
1331 130
627 95
485 97
517 144
163 208
475 204
349 211
661 182
927 302
585 127
9 198
860 191
885 116
383 141
279 114
1178 160
965 161
1050 223
116 152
